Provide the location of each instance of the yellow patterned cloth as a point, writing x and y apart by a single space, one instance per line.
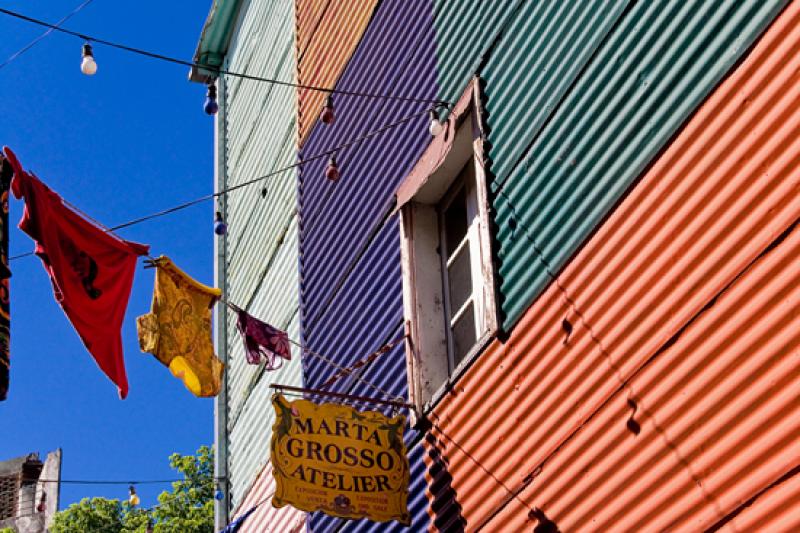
178 329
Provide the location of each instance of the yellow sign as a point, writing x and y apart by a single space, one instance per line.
343 462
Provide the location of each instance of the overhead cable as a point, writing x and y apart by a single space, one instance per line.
216 70
326 153
34 42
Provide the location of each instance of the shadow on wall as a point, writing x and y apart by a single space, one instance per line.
544 524
444 508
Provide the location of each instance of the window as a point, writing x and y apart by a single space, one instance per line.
448 276
460 257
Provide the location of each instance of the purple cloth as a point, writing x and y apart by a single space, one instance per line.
234 526
263 342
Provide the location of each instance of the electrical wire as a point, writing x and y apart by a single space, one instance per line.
110 482
205 198
56 27
345 371
342 370
216 70
33 43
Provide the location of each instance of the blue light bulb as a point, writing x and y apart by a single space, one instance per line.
220 227
211 106
218 495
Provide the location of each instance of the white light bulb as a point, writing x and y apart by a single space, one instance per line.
88 65
435 127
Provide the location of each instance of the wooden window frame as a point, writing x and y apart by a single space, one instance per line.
428 356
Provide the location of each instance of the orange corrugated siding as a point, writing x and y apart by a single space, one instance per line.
719 415
724 190
309 14
775 510
328 32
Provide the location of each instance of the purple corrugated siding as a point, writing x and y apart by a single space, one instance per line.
351 287
351 327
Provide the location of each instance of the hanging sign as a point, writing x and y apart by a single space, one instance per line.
340 461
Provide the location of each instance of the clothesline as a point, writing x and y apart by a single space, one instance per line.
326 153
343 370
73 259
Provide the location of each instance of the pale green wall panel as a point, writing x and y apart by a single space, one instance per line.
261 252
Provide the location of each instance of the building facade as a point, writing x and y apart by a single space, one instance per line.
587 276
256 261
29 492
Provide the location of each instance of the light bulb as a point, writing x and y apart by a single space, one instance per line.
134 498
210 106
218 495
435 127
332 172
220 227
88 65
328 116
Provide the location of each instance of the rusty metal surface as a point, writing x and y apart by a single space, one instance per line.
686 303
718 416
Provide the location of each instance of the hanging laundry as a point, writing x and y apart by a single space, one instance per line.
262 341
177 331
91 270
237 524
6 172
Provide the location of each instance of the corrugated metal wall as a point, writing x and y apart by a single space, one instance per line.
267 518
673 403
719 417
350 267
262 245
328 32
580 97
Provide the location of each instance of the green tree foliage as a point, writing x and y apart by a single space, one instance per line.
187 508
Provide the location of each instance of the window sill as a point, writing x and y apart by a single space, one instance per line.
459 371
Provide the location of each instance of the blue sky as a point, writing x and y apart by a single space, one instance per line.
131 140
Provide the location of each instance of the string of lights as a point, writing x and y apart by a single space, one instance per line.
220 226
47 32
89 65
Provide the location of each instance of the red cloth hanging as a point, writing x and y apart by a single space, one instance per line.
91 270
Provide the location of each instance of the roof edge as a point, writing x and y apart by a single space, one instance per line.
214 40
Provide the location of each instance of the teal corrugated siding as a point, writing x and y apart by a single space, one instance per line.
553 42
580 97
262 250
464 31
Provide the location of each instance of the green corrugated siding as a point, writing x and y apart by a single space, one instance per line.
580 97
261 256
464 31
